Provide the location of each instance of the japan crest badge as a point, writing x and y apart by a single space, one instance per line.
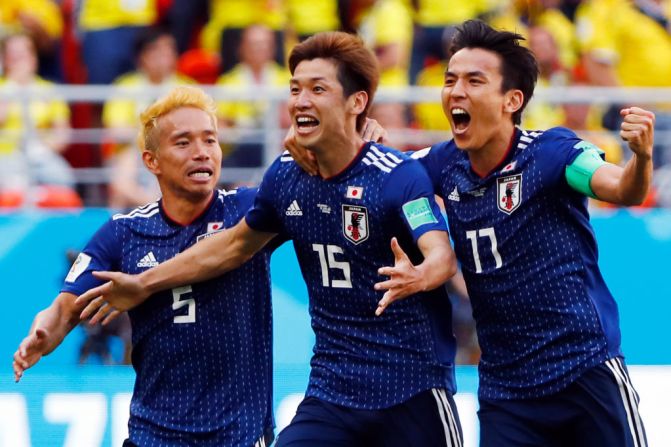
355 223
509 193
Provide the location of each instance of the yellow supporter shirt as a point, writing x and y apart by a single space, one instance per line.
434 13
247 113
430 116
615 32
241 14
104 14
389 22
308 17
126 112
42 113
563 31
45 11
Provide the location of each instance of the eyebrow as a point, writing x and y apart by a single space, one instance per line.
469 74
187 133
314 79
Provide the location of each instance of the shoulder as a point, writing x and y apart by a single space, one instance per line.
139 214
441 151
550 139
384 158
240 196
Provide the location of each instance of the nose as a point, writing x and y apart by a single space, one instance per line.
457 89
201 150
302 100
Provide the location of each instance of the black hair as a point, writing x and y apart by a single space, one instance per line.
519 68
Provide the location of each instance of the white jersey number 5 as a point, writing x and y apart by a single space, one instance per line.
180 298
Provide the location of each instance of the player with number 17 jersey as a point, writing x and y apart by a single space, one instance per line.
341 227
202 352
543 311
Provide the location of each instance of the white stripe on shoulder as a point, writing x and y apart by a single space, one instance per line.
421 153
221 193
143 211
385 161
527 137
286 156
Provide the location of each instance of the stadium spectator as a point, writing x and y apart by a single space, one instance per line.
109 30
156 57
202 352
370 369
35 132
541 114
434 23
552 370
613 60
257 69
386 28
43 22
228 20
306 18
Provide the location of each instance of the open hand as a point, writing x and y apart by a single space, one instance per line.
405 279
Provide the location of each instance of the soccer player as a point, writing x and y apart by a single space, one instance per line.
202 352
375 380
552 372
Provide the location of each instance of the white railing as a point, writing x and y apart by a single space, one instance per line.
270 134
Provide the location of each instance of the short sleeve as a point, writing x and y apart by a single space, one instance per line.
412 199
263 214
102 252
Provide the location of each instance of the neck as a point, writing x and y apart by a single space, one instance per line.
485 159
339 154
185 210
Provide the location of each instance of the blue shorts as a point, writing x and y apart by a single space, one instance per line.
428 419
599 409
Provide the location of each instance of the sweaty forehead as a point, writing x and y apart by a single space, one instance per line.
186 120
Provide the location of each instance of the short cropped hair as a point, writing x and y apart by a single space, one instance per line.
178 97
519 68
357 66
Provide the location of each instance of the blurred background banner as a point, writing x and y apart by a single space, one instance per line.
61 403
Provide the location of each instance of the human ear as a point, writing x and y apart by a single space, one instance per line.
150 160
513 101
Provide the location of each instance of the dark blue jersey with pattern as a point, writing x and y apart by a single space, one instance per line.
527 250
202 352
342 228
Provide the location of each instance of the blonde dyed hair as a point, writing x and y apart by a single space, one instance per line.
178 97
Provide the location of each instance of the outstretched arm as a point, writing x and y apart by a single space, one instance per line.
629 185
208 258
48 330
439 265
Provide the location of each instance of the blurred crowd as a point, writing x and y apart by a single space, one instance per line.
242 44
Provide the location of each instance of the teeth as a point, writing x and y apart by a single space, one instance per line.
200 174
304 119
458 111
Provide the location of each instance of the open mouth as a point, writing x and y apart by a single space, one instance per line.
460 118
201 173
305 122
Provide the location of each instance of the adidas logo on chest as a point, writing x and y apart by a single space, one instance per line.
148 260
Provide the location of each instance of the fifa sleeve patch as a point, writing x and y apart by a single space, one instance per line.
418 212
78 267
579 173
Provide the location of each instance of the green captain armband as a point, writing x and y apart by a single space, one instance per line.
579 173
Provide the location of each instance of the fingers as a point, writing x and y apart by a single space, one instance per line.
372 131
386 285
636 111
399 254
93 293
103 311
386 300
92 307
111 316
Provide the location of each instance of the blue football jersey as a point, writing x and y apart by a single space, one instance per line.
527 250
202 352
342 228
